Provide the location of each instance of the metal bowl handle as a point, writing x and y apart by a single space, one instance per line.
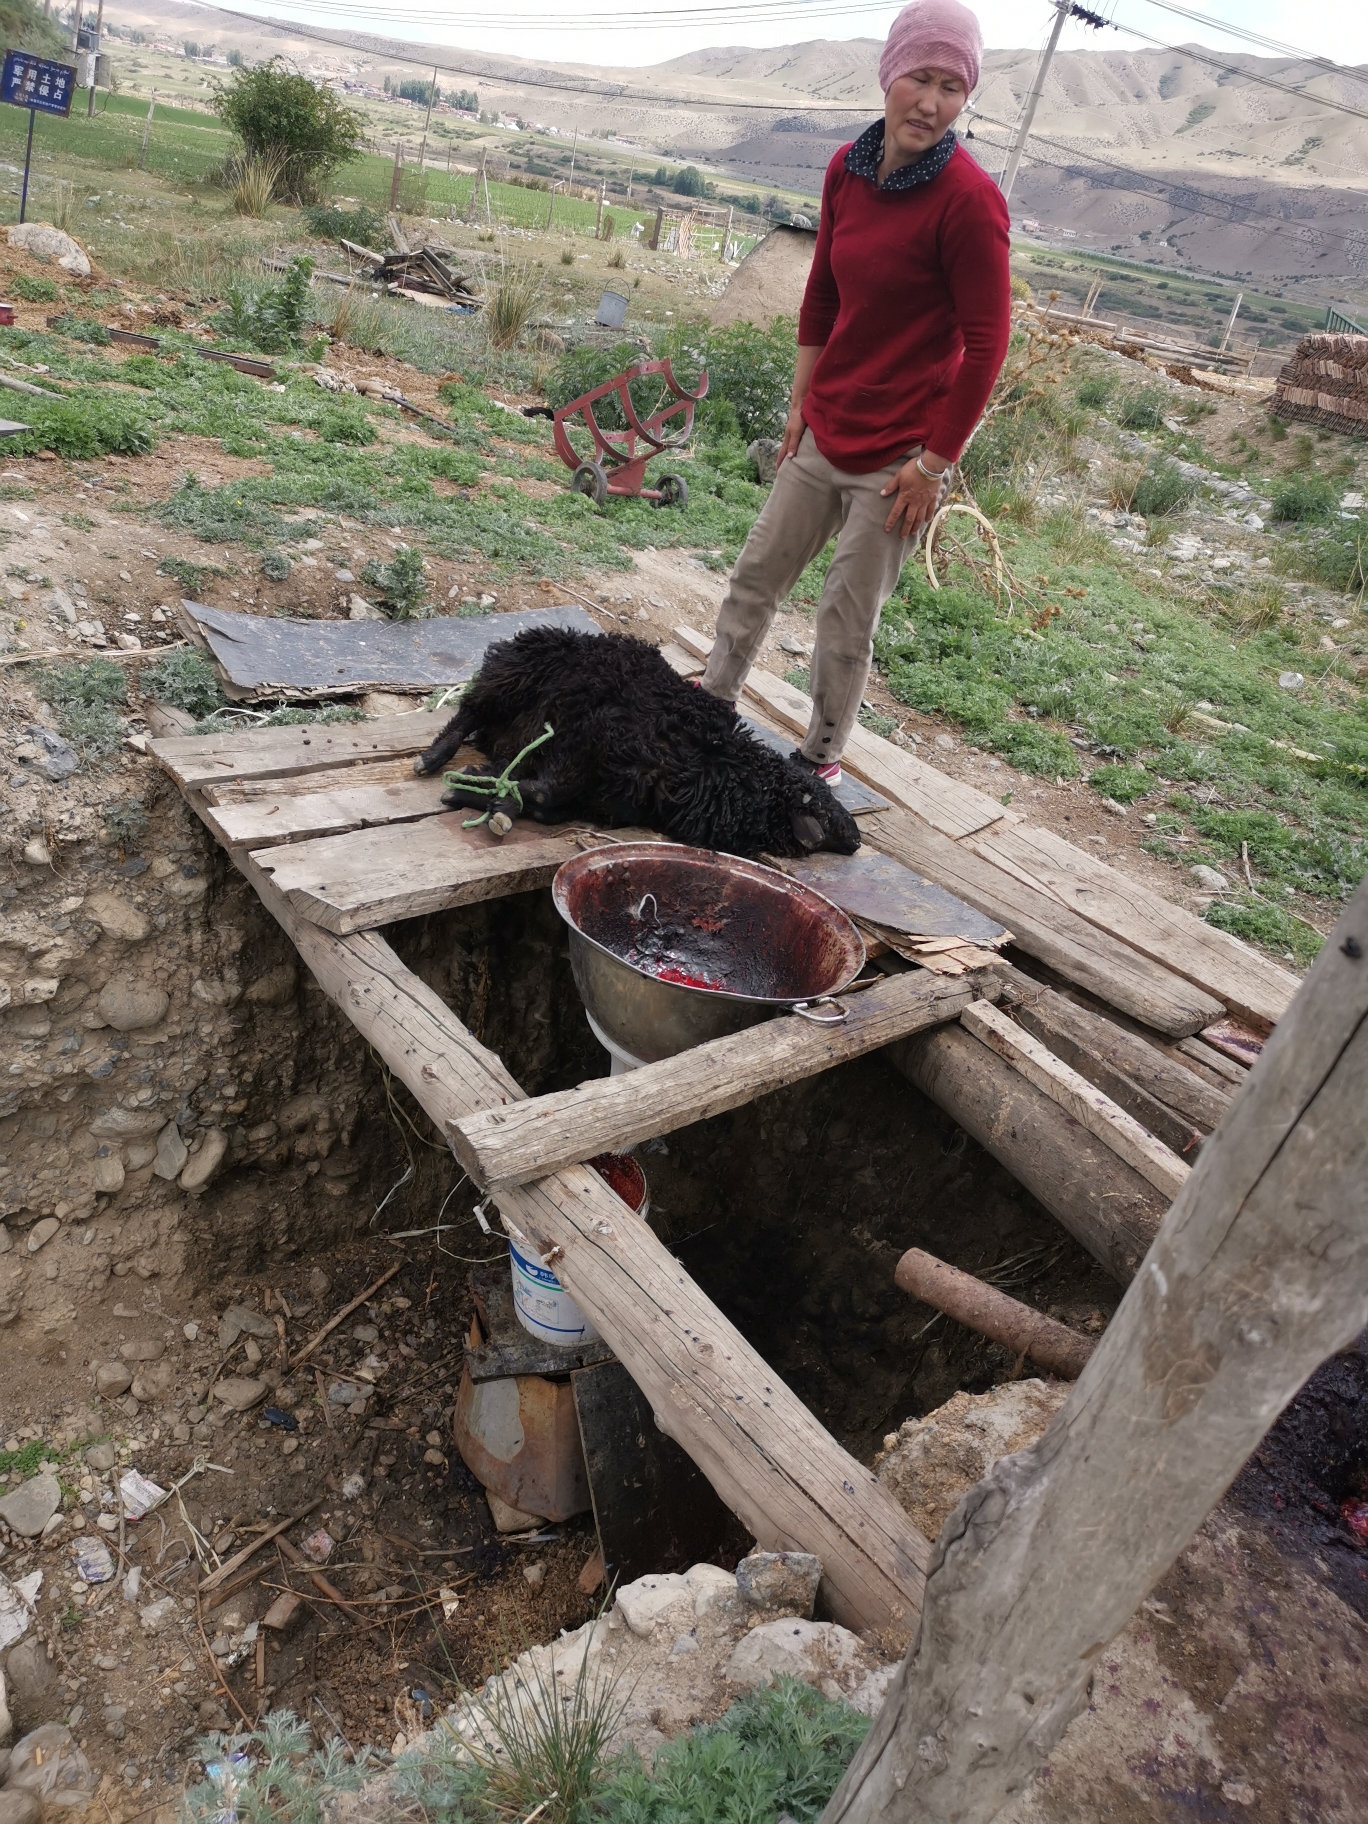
804 1011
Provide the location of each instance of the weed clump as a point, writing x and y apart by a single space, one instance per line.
1257 921
360 223
184 680
511 304
85 425
126 822
273 318
1124 783
1143 409
85 697
1305 500
81 329
275 566
34 291
403 582
1162 488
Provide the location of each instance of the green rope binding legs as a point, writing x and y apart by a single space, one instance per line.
500 788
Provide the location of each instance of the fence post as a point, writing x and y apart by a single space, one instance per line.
655 232
475 186
396 175
147 128
598 219
726 235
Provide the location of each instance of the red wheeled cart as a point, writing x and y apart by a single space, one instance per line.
618 464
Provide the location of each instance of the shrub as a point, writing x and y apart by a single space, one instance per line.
749 369
1124 783
1163 488
272 318
617 259
403 581
1095 391
85 425
126 821
689 182
279 113
1143 409
276 566
511 304
567 257
34 291
1305 499
361 223
185 680
1258 922
252 182
81 329
83 696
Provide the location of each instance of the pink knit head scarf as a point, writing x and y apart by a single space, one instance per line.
932 35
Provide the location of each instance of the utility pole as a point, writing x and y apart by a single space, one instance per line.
1239 299
432 96
1062 10
574 152
94 61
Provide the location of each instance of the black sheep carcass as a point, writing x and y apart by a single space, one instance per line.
634 744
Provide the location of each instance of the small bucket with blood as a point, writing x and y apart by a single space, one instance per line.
543 1307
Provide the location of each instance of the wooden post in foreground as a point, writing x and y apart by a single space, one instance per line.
1258 1274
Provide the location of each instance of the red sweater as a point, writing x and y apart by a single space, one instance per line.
910 293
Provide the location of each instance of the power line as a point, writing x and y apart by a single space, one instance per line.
604 91
1185 197
1233 69
1325 64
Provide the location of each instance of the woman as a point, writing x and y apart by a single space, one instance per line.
901 336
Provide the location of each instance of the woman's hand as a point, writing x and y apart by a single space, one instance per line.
793 435
918 496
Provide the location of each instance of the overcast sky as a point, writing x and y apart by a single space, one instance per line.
635 32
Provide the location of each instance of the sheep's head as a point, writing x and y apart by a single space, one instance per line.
816 816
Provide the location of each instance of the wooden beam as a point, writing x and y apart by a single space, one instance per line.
1248 983
1078 1098
264 820
237 753
1047 930
765 1454
991 1313
378 876
948 805
1140 1076
1104 1203
527 1140
1259 1273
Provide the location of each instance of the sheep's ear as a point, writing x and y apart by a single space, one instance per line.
807 831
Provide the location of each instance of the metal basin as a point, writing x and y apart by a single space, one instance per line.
735 942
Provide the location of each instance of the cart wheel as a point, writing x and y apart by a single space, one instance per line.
673 491
589 479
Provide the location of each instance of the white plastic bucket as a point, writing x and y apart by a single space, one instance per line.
543 1306
622 1061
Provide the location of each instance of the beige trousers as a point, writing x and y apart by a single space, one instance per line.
809 503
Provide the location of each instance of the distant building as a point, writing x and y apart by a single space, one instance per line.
1030 226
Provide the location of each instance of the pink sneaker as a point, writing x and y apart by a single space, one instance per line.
829 771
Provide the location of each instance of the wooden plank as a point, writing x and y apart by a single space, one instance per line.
1215 1061
948 805
368 878
1079 1098
1259 1273
1093 1043
508 1146
1247 982
765 1454
265 753
1104 1203
277 817
1055 934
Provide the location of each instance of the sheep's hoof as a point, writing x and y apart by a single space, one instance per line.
499 825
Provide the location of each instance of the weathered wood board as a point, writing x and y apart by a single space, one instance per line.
275 817
526 1140
195 760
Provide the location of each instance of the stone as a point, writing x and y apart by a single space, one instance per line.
102 1456
30 1674
172 1153
42 1232
274 989
359 609
6 1239
128 1003
52 243
143 1349
19 1807
153 1382
318 1282
237 1393
650 1600
115 1727
820 1653
764 453
113 1379
1211 880
37 854
126 1124
1290 680
713 1589
157 1617
946 742
116 918
928 1464
509 1519
241 1320
6 1724
785 1583
534 1575
109 1172
57 759
213 1150
29 1508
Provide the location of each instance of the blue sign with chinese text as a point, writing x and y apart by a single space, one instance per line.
34 82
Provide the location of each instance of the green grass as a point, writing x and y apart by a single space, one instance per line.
85 697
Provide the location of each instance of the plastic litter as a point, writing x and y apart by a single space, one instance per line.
274 1416
18 1606
318 1546
132 1583
94 1562
47 1763
139 1495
